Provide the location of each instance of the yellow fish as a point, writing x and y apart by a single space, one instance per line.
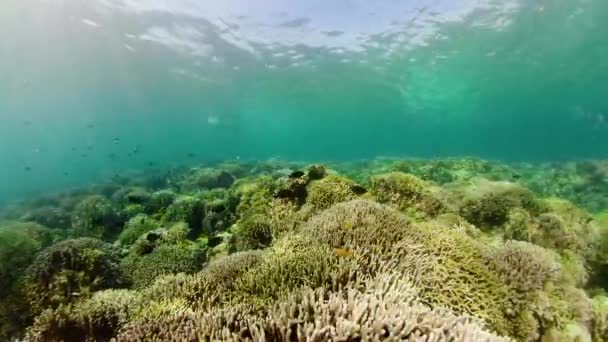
343 252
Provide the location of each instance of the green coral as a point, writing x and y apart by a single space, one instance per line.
135 227
206 178
70 270
95 216
254 232
385 308
162 252
19 243
600 318
487 204
95 319
328 191
188 209
408 193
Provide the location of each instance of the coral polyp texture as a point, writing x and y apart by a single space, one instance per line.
388 249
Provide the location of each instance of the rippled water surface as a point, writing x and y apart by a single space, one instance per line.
92 88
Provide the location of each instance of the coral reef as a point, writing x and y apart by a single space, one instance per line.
95 216
456 249
70 270
161 252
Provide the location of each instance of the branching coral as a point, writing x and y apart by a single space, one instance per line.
407 193
162 252
487 204
319 258
95 319
329 190
386 308
135 227
188 209
70 270
95 216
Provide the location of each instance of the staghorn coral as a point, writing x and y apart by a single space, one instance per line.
294 261
385 308
212 287
439 260
95 319
70 270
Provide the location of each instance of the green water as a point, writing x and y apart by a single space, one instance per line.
84 83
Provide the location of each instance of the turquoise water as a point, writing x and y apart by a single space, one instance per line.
303 170
84 83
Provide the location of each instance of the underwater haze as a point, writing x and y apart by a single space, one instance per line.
304 170
84 84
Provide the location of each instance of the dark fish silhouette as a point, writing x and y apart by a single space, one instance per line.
284 193
116 140
27 168
358 189
296 174
191 155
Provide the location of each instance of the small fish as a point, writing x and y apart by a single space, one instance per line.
27 122
296 174
84 155
191 155
516 176
90 125
116 140
28 169
343 252
112 156
73 149
150 163
90 147
358 189
66 174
